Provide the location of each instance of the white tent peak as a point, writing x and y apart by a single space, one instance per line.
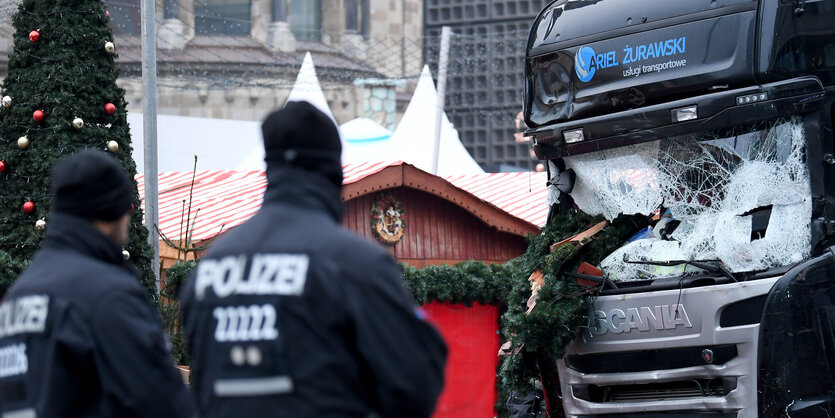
414 137
426 87
308 89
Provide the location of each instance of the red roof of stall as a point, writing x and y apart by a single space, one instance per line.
222 199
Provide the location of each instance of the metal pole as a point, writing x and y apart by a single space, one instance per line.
443 61
149 125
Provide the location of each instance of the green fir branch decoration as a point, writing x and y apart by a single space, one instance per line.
66 73
561 310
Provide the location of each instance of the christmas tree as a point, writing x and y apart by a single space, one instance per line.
60 96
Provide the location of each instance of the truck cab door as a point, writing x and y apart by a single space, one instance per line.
797 342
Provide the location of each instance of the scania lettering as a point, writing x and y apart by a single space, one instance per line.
715 120
640 319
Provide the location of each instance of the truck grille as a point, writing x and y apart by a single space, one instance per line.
655 391
641 361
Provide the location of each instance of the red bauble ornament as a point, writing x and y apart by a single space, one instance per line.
110 108
38 116
107 12
2 166
34 36
29 207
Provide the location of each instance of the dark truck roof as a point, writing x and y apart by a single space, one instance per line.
589 58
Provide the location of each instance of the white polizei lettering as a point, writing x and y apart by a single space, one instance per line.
13 360
5 317
228 276
262 272
245 323
292 275
36 317
204 277
269 274
21 307
23 314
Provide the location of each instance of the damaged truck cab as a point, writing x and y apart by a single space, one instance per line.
717 117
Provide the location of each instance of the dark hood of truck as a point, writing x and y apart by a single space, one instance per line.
587 58
575 19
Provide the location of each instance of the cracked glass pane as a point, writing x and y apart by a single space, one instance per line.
742 196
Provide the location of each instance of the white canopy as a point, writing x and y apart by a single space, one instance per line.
367 141
414 137
220 144
233 144
363 130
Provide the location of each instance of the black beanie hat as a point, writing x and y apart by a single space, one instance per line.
91 185
300 135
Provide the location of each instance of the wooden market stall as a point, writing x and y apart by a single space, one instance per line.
442 223
445 223
420 218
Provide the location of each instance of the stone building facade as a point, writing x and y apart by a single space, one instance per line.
238 59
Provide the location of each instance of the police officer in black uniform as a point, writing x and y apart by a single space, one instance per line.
78 335
289 315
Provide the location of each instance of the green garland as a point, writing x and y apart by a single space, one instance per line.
561 310
465 283
560 313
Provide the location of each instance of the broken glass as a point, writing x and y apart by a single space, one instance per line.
742 195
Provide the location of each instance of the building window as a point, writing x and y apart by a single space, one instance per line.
222 17
356 16
124 17
279 9
305 19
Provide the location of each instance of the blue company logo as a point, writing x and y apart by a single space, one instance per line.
587 62
583 63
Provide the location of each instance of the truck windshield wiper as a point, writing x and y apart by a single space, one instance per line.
597 279
705 265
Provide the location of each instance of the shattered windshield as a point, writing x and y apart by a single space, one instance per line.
739 196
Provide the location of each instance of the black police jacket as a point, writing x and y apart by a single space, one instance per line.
289 315
79 337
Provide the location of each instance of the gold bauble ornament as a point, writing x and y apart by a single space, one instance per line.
23 142
109 47
40 224
77 123
112 146
126 254
7 101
